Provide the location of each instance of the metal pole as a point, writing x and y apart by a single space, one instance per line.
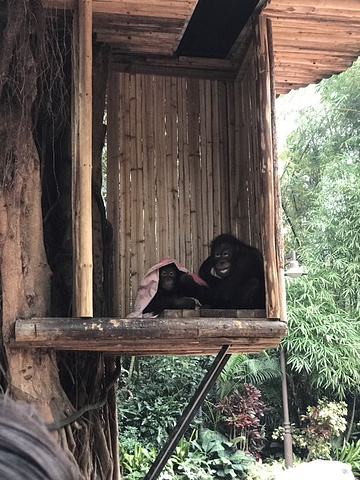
189 413
287 431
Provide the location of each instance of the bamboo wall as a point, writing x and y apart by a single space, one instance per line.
188 162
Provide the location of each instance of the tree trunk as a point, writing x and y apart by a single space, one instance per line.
36 277
25 274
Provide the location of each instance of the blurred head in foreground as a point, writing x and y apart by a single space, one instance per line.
27 449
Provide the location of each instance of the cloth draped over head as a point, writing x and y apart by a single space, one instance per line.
149 286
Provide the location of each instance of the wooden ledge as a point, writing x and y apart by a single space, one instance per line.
151 336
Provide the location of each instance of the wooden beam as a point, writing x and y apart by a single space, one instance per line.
160 8
82 163
336 5
282 18
174 66
149 336
241 44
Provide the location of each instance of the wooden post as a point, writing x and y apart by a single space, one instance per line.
267 201
82 164
279 242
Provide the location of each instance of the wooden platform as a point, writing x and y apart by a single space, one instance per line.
176 333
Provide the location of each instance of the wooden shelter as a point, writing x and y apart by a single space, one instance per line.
191 152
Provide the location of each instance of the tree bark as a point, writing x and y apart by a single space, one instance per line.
25 274
36 276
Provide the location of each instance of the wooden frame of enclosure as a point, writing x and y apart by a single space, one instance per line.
191 154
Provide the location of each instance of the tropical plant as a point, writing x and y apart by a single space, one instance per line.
226 461
321 427
350 453
264 471
188 462
260 369
135 464
321 200
242 368
154 394
242 412
324 422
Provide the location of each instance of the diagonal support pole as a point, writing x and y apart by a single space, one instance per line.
189 413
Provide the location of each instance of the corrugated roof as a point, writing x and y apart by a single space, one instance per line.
313 39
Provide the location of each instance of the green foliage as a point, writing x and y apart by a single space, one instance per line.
321 200
264 471
322 425
323 339
224 459
135 464
324 422
242 412
155 393
350 453
260 369
268 470
188 462
211 456
185 464
242 368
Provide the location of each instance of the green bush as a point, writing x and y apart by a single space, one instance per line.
222 455
135 464
264 471
322 425
154 394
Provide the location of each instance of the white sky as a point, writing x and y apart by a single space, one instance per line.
287 110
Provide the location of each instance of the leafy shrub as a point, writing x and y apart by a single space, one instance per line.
323 424
188 463
242 412
154 394
222 456
183 465
205 458
135 465
264 471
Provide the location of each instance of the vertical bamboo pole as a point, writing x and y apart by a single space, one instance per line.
288 449
149 172
224 159
267 174
186 247
139 172
230 95
255 159
209 162
171 164
113 187
123 189
205 240
82 166
216 166
126 186
239 167
134 178
193 141
161 167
